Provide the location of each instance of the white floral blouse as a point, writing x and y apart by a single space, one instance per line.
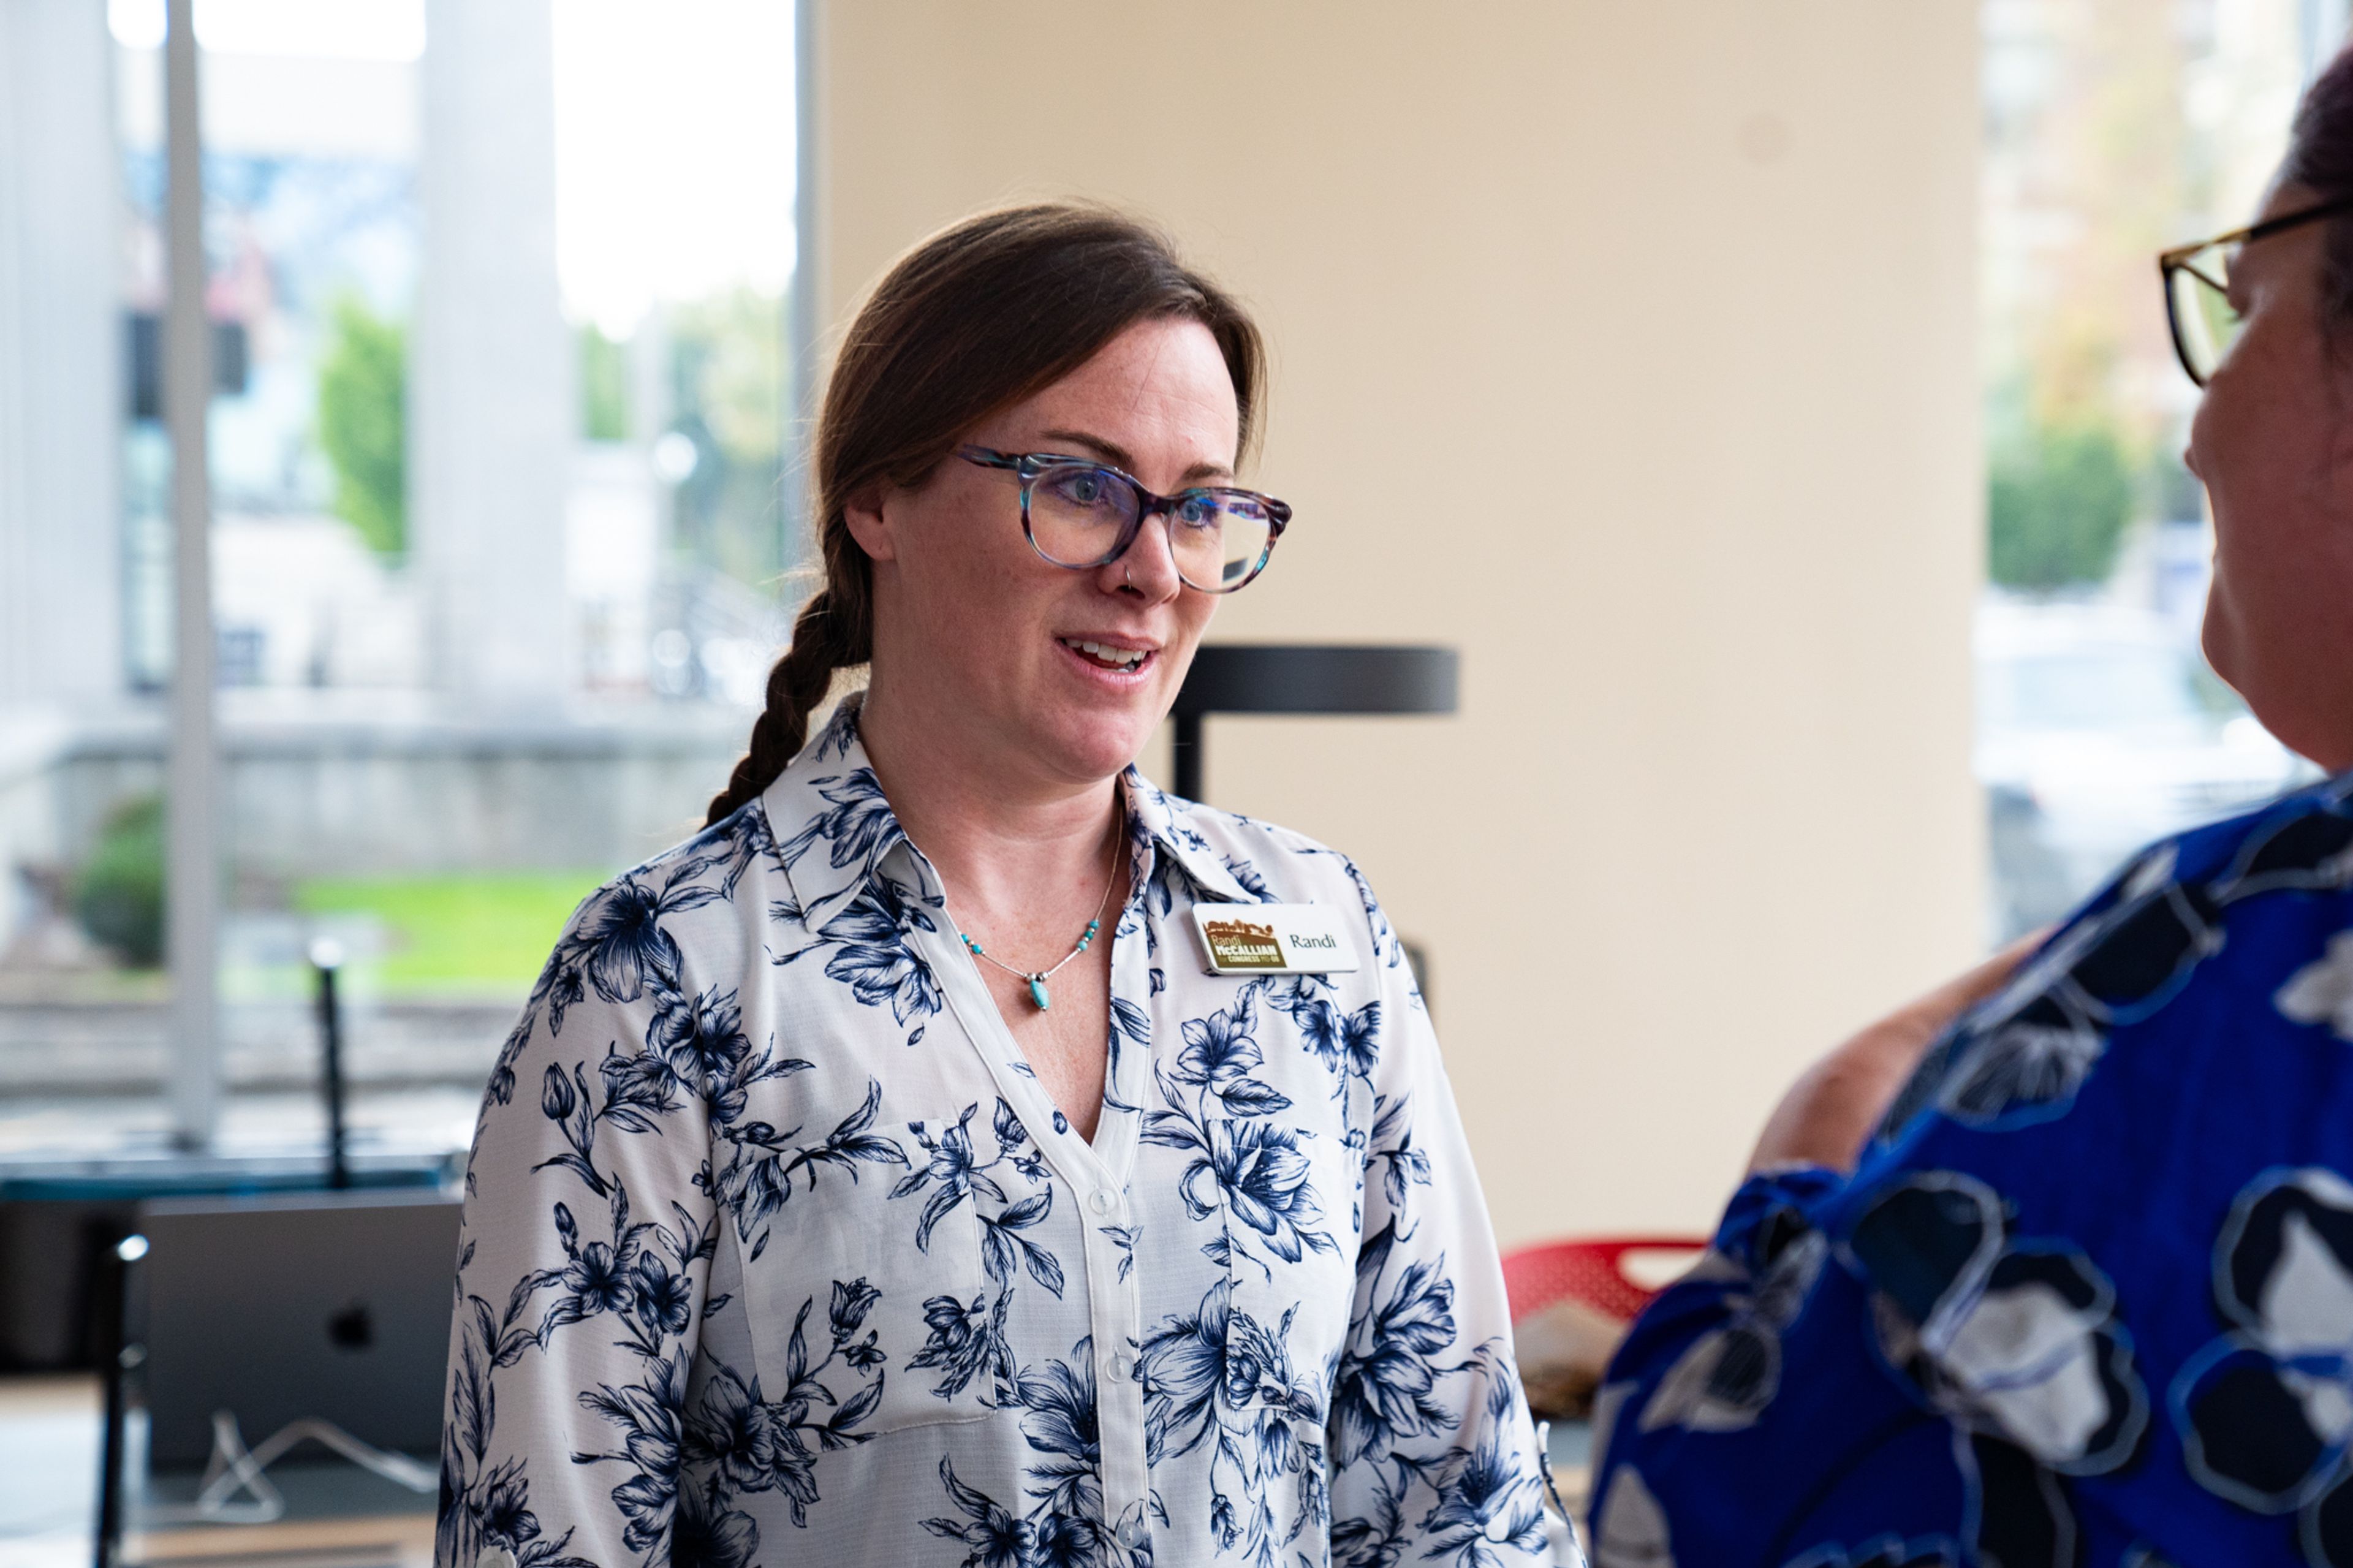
776 1253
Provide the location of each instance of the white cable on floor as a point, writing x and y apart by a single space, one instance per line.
234 1467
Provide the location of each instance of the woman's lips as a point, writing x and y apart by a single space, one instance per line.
1111 658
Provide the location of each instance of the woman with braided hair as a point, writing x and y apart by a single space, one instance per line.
962 1152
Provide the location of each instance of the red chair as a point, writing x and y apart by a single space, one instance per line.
1590 1271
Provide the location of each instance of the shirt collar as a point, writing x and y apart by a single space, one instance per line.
1163 822
833 830
832 826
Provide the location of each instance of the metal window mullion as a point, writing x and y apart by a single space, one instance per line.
192 776
801 301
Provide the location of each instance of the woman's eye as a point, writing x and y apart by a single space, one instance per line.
1197 511
1084 489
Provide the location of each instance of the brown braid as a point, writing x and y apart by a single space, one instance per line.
798 684
980 316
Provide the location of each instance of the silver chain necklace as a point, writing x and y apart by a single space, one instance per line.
1038 992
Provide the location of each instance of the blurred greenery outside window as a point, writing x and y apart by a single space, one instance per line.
2112 131
2060 490
454 936
727 378
604 386
118 895
364 421
457 937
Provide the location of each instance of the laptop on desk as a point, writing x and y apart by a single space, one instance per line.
329 1306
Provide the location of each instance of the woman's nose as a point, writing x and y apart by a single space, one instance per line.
1147 567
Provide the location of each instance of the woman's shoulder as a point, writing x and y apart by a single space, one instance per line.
1272 863
670 915
1246 860
2303 837
2248 919
2290 853
717 863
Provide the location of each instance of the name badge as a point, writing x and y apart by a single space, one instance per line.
1273 939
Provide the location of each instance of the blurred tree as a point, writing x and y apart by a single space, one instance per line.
604 386
2058 497
364 421
728 371
119 893
2103 144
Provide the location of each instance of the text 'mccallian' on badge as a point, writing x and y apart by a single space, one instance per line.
1273 939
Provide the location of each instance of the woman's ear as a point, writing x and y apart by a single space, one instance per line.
867 515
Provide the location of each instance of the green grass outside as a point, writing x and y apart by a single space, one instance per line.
451 935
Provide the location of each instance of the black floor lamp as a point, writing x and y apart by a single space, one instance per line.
1259 678
1266 678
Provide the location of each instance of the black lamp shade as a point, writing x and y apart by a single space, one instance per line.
1292 678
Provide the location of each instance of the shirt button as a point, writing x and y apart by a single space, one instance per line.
1120 1366
1103 1201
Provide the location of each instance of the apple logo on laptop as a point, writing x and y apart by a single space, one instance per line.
352 1328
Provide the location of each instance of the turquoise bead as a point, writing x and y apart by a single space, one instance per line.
1038 993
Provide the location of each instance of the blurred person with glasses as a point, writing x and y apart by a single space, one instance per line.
2055 1266
893 1172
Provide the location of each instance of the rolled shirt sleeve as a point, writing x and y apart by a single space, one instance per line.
1705 1360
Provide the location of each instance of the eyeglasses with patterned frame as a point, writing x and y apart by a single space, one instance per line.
1079 513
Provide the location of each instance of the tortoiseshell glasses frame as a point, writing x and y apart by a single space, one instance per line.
2196 280
1080 513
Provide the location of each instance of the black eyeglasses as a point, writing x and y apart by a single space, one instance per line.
1080 514
2198 288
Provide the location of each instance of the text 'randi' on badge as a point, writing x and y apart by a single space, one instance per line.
1273 939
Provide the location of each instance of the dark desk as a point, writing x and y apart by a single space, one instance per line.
58 1217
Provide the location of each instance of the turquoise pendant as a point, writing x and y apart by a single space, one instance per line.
1038 993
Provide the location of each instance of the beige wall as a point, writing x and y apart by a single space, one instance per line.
1627 346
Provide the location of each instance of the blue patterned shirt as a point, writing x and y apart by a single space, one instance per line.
2088 1300
776 1251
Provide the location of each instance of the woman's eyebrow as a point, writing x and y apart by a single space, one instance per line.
1119 457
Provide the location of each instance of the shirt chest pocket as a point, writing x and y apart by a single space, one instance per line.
866 1319
1289 1195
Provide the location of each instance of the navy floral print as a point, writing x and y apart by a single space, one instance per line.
789 1260
2088 1301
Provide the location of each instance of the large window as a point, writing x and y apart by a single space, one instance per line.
2113 129
499 454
